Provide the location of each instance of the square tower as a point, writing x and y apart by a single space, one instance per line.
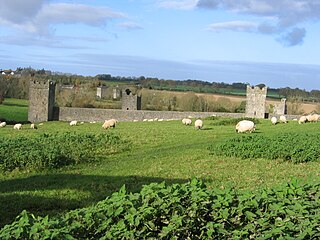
41 101
256 101
130 101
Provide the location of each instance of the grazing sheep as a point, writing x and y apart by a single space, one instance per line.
245 126
283 119
313 118
109 123
145 120
73 123
186 121
17 126
33 126
302 119
198 124
160 120
135 120
274 120
40 124
3 124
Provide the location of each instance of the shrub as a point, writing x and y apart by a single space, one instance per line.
184 211
48 151
303 147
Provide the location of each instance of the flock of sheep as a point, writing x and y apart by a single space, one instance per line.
241 127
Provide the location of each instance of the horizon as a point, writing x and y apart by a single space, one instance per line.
264 41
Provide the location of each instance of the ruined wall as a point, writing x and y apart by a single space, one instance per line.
280 108
99 115
102 92
256 102
41 101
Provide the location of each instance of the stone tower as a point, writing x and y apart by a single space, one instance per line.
280 108
102 92
41 101
256 101
130 101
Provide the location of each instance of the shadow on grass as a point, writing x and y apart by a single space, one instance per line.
14 104
16 194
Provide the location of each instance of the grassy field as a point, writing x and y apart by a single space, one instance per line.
14 110
160 151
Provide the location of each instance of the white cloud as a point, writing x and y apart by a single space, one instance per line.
37 16
130 26
178 4
234 25
286 15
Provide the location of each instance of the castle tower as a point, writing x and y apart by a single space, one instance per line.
41 101
102 92
256 101
130 101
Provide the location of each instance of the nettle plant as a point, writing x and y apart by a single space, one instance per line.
296 148
184 211
49 151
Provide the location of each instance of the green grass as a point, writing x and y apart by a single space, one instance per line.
14 110
161 151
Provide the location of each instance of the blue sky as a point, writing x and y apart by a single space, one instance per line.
254 41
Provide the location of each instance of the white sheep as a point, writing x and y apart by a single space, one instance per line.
313 118
3 124
274 120
283 119
186 121
109 123
17 126
198 124
73 123
245 126
33 126
302 119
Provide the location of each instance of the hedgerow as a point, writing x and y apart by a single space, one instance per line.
184 211
48 151
297 148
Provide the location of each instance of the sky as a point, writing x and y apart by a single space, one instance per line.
274 42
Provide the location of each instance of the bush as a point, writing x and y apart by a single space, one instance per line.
49 151
184 211
292 147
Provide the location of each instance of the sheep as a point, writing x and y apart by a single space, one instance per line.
3 124
245 126
17 126
313 118
73 123
283 119
33 126
274 120
109 123
198 124
302 119
186 121
160 120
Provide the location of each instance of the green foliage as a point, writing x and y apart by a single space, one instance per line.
297 148
48 151
14 110
220 121
184 211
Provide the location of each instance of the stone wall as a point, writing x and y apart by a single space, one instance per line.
41 101
102 92
99 115
130 101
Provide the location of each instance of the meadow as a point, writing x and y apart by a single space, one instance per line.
159 151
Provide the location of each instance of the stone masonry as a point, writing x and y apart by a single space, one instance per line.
256 102
41 101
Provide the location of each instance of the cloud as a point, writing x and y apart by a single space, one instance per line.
38 16
130 26
285 15
293 37
177 4
234 25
